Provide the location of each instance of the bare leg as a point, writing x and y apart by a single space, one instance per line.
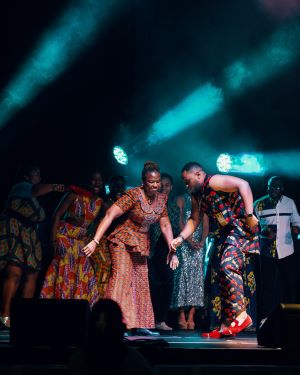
10 287
190 321
30 285
182 323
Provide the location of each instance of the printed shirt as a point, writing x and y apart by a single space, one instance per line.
279 219
228 210
133 229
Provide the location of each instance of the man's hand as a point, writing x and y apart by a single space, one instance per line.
252 221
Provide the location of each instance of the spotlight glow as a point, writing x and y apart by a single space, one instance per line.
198 106
56 50
243 163
224 163
276 54
120 155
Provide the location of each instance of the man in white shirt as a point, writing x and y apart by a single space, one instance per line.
277 215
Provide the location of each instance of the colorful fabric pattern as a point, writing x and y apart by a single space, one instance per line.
129 248
102 265
70 274
19 242
230 276
134 229
129 286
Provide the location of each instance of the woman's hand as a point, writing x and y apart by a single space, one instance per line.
176 242
89 248
172 260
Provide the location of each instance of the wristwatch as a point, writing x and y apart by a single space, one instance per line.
250 215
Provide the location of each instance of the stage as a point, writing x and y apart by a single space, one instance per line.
178 352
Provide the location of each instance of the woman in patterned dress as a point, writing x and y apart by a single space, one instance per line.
20 247
188 293
70 274
129 247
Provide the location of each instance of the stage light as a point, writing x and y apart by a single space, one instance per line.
198 106
242 163
120 155
55 51
224 163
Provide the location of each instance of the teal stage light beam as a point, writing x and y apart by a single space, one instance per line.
242 163
56 50
283 163
198 106
275 55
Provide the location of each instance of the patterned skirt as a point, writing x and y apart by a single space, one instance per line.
19 245
70 274
129 286
102 265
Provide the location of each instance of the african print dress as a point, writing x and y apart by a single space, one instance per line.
234 243
19 242
70 274
129 248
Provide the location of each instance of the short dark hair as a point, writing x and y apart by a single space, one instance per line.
275 178
191 165
168 176
25 170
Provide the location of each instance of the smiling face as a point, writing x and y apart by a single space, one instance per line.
166 186
193 180
96 182
151 183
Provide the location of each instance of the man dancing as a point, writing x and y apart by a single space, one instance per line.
229 201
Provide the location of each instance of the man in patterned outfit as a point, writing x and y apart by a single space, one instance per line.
229 201
277 214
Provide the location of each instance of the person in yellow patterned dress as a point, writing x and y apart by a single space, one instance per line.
70 274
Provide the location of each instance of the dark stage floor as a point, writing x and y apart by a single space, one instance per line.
178 352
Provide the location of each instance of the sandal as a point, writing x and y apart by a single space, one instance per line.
5 321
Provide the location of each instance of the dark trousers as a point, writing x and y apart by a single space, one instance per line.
278 283
161 279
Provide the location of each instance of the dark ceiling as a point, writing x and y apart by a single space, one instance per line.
143 62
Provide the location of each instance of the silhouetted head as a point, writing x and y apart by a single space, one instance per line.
275 187
116 186
106 323
30 173
166 183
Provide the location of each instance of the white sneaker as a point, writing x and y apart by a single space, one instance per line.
163 326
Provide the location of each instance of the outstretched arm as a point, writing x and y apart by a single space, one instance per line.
112 213
190 225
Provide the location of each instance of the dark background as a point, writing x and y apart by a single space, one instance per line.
146 59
